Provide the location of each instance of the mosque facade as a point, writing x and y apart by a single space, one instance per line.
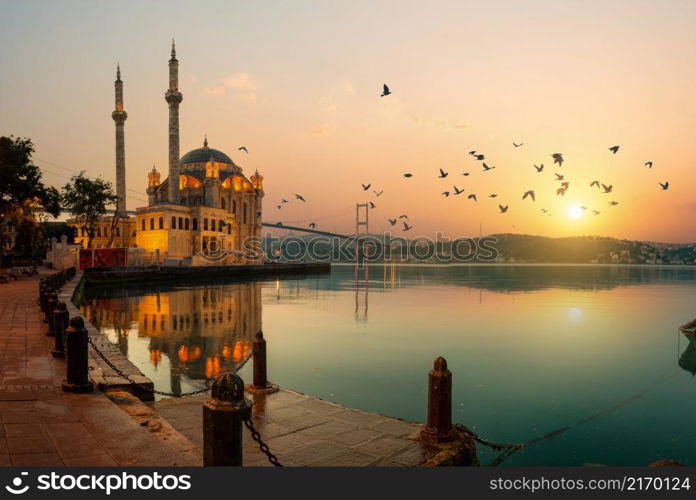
205 212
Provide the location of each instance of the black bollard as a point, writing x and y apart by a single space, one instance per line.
42 292
61 318
439 427
77 358
261 384
50 308
223 419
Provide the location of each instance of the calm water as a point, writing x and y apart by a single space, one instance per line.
531 348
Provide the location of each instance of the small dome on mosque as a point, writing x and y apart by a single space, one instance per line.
205 154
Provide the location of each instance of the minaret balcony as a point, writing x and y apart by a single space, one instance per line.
173 97
119 116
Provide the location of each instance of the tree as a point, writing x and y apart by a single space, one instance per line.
87 200
23 196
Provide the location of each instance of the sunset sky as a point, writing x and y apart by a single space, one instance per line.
298 83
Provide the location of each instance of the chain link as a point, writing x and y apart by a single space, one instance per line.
491 444
262 446
126 377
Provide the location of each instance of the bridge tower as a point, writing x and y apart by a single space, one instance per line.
362 229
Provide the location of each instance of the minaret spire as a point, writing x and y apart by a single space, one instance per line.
173 98
119 115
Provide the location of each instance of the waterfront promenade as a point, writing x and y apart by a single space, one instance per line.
40 425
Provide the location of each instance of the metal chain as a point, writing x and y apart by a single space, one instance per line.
125 376
491 444
262 446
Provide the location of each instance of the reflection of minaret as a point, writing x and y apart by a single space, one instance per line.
119 116
173 98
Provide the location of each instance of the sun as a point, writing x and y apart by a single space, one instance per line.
574 212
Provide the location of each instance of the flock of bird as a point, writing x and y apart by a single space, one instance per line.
561 190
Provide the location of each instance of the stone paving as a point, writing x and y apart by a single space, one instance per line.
42 426
304 431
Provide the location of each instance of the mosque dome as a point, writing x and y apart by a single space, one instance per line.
204 154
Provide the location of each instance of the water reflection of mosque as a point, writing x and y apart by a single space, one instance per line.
201 331
687 359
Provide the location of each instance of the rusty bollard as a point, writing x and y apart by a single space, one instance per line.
223 419
261 384
439 427
61 317
77 359
50 308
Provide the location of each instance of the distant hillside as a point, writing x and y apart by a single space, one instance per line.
527 248
519 248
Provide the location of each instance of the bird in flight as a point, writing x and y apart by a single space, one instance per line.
517 145
596 212
480 157
465 174
376 193
664 186
243 148
648 164
540 168
557 158
366 187
486 168
372 205
595 183
385 91
446 193
457 190
443 174
559 177
492 195
406 227
300 197
403 217
607 189
312 225
503 208
614 149
472 197
529 193
565 185
408 175
472 152
583 207
544 211
560 191
392 221
278 207
283 200
613 203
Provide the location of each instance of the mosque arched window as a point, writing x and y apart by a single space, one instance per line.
222 203
205 224
161 223
186 223
142 226
234 207
173 225
181 223
152 223
194 223
221 225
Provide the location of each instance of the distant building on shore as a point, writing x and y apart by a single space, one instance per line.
205 206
